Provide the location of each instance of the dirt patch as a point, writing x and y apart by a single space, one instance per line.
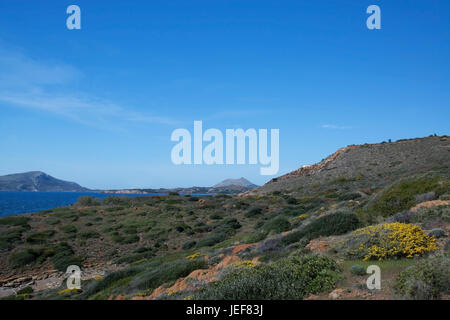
430 204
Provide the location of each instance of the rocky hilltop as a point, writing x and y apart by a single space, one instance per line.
37 181
368 165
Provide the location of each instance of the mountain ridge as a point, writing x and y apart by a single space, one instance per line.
376 162
37 181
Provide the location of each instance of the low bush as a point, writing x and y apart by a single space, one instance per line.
130 238
390 240
88 201
63 257
40 237
441 213
349 196
215 216
428 279
169 271
402 195
189 244
14 221
9 237
253 212
24 257
286 279
212 239
68 229
277 225
110 279
115 200
358 270
26 290
88 235
332 224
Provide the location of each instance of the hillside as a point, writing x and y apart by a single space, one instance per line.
368 165
310 234
37 181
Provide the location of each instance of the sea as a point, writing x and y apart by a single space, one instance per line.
17 202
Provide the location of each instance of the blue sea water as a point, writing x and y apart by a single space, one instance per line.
14 202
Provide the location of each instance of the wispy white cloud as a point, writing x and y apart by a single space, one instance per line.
333 126
46 86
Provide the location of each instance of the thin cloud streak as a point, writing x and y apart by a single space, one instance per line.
27 83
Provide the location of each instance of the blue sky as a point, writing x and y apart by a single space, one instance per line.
98 105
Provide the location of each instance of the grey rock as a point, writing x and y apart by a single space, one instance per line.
272 244
429 196
437 233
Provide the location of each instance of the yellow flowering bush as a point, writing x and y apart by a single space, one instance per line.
67 290
390 240
303 216
245 264
193 256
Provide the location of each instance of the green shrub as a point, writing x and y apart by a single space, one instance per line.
115 200
215 216
277 225
68 229
291 200
253 212
108 280
131 238
26 290
286 279
63 257
358 270
257 236
349 196
8 237
231 223
441 213
189 244
212 239
40 237
167 272
427 280
22 258
14 221
332 224
88 235
402 195
88 201
309 204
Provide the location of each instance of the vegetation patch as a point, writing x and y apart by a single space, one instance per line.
384 241
332 224
291 278
427 280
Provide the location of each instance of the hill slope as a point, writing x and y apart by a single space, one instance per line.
37 181
368 165
310 226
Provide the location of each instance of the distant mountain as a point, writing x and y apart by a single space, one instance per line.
37 181
241 182
228 186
